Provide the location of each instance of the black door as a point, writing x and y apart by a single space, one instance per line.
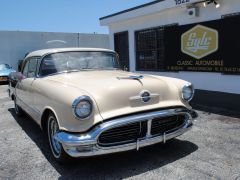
122 48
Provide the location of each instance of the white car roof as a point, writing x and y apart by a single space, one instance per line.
56 50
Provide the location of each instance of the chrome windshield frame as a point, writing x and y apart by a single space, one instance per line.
42 58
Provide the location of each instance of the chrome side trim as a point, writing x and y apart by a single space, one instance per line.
89 140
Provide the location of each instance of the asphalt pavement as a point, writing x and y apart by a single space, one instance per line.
211 150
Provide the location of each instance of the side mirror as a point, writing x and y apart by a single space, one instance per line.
19 76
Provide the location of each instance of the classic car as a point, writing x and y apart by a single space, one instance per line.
87 106
5 70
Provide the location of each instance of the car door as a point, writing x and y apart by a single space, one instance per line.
21 89
32 88
26 91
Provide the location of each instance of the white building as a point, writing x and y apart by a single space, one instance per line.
195 40
14 45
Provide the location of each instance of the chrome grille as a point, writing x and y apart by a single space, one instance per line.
122 135
162 125
129 133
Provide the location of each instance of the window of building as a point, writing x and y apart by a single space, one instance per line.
122 48
150 49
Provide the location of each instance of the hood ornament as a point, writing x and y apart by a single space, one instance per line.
132 77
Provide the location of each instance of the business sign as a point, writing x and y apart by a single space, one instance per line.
211 46
199 41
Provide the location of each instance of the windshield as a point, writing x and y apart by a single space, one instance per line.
4 66
77 61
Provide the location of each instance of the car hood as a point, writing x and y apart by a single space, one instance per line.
6 72
116 95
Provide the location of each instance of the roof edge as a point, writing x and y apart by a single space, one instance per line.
131 9
43 52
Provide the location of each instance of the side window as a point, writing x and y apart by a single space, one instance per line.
32 68
25 69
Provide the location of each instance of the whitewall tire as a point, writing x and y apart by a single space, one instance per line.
56 147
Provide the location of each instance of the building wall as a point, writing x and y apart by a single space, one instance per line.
15 44
201 80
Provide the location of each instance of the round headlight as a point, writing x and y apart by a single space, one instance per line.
82 107
187 92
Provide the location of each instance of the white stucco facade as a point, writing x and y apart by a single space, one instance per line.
15 44
167 12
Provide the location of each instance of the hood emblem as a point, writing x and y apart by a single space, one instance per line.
145 96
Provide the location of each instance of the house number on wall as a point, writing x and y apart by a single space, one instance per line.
178 2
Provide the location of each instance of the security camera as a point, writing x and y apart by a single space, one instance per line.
192 12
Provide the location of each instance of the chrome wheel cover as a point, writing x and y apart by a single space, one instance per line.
53 129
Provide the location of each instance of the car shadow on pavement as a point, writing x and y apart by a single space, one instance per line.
115 166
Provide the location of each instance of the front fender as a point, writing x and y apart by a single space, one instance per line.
179 84
58 98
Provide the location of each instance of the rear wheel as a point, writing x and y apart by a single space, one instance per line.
18 110
56 147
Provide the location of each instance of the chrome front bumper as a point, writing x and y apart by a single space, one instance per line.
85 145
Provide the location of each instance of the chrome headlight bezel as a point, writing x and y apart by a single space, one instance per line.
188 87
76 103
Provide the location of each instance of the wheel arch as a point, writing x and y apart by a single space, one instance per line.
45 114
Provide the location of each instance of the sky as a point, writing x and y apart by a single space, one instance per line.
60 15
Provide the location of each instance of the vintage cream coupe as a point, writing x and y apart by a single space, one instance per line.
88 106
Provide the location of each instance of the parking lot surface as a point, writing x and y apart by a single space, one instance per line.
211 150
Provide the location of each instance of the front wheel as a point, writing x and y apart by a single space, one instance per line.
56 147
